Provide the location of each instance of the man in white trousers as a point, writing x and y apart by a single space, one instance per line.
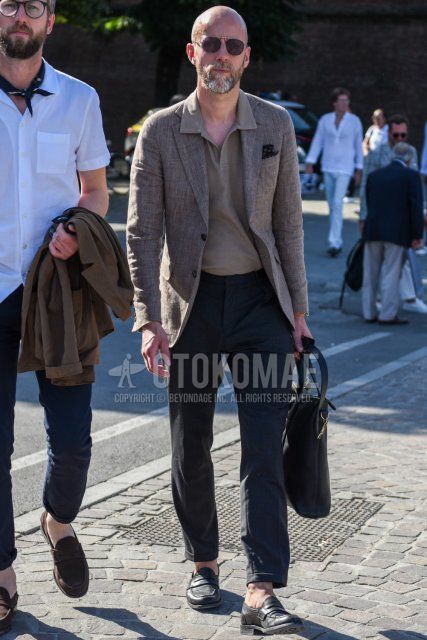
339 138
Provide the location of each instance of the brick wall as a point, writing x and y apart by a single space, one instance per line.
375 48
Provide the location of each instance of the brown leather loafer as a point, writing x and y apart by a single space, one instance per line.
70 570
7 609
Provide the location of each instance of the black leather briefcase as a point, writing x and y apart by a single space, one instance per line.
305 449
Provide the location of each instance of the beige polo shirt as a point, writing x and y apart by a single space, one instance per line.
229 246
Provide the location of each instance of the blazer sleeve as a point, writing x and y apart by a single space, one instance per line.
287 219
424 153
145 225
371 163
416 206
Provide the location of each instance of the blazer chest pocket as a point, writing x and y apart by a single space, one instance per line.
269 169
52 152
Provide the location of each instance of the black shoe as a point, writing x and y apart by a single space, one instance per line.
7 609
203 590
334 251
395 320
270 619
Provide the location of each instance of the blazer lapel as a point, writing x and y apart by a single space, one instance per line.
252 158
191 151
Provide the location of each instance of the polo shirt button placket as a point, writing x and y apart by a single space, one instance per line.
194 273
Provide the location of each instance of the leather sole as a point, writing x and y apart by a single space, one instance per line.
6 623
254 630
202 607
70 594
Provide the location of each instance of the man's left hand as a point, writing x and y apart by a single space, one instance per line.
357 177
417 244
63 245
301 331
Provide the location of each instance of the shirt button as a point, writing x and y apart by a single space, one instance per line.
194 274
204 237
25 245
23 184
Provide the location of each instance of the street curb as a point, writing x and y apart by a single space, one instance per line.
30 522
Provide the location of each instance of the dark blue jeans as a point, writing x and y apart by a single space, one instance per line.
67 421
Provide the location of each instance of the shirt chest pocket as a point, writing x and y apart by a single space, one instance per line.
53 151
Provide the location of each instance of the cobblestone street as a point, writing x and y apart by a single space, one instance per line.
372 586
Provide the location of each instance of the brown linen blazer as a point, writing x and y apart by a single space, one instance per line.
65 302
169 210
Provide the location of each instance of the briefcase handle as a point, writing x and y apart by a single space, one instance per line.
310 348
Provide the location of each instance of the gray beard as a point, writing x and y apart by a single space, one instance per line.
21 50
220 84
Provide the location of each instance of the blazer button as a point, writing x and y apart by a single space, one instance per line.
194 274
204 237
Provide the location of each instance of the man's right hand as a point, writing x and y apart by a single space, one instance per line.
155 349
309 168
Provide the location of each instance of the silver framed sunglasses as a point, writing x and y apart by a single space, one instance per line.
212 44
33 8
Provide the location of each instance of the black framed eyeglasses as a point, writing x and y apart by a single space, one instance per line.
397 136
212 44
33 8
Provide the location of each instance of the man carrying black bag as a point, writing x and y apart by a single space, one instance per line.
219 173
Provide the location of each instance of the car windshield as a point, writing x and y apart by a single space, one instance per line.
302 118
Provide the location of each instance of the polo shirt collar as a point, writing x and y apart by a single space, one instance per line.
192 121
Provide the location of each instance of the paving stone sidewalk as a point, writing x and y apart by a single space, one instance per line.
372 586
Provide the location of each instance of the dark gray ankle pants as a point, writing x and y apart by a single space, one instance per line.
239 316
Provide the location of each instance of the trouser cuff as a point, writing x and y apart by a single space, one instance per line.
278 581
201 557
57 518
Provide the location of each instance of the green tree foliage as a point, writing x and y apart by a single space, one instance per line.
166 26
271 23
81 12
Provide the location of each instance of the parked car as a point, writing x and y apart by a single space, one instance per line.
304 121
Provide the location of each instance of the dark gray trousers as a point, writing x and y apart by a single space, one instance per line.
239 316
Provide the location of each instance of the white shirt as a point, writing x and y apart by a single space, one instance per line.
376 136
39 159
341 147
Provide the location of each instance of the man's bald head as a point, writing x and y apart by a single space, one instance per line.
214 14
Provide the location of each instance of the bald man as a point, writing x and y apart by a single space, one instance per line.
215 184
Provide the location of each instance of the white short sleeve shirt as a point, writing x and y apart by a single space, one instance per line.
39 160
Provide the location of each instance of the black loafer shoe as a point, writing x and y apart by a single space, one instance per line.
203 590
7 609
334 251
270 619
395 320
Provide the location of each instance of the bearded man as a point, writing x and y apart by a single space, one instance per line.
215 183
50 135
